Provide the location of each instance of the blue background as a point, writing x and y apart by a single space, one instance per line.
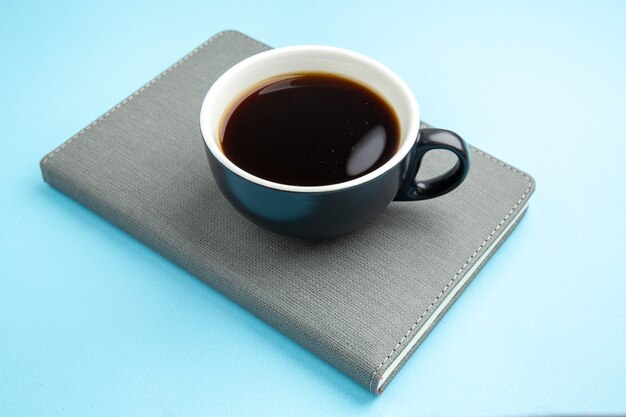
93 323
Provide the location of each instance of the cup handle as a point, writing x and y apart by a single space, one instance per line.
429 139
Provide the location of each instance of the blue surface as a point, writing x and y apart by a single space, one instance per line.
93 323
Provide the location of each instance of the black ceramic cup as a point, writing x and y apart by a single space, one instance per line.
335 209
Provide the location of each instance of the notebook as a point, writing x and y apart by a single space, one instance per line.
363 302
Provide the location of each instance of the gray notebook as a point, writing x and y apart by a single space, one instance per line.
362 302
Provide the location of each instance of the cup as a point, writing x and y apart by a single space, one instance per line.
334 209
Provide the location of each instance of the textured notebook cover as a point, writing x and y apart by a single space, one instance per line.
363 301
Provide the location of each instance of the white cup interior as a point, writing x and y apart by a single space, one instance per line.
244 76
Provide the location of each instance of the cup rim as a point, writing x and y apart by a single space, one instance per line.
412 125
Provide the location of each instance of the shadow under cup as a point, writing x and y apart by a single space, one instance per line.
335 209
